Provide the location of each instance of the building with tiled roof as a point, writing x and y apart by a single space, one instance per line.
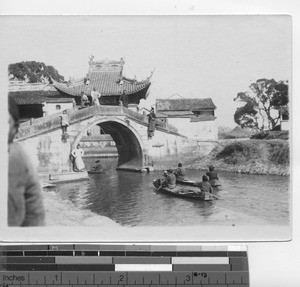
192 117
107 77
38 100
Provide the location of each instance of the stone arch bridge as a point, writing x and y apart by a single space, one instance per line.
42 138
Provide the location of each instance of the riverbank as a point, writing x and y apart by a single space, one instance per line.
251 156
63 212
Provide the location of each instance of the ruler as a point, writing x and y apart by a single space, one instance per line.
123 265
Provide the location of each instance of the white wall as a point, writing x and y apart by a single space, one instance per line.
50 108
206 130
285 125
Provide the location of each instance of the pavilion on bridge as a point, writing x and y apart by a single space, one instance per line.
108 79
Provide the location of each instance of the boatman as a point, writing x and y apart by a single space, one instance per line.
170 181
98 166
180 172
205 186
212 174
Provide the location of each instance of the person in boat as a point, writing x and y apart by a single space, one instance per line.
170 179
180 172
152 123
212 174
95 97
25 200
77 154
98 166
204 186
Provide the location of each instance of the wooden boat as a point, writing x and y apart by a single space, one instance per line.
186 181
47 185
182 191
214 183
96 171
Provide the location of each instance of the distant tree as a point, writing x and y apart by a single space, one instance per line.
262 104
34 72
246 116
280 97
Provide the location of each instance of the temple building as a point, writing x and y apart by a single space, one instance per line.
107 77
194 118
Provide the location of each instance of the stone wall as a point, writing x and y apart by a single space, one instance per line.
48 153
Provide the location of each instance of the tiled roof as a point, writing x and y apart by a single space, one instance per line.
184 104
21 86
203 118
105 82
36 97
59 100
178 113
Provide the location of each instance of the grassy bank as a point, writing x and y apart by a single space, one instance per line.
249 156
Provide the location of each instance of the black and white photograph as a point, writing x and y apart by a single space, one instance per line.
176 127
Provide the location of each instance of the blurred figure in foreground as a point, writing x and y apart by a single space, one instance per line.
25 202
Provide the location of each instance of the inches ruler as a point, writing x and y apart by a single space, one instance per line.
123 265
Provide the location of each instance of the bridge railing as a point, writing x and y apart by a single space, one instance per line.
45 124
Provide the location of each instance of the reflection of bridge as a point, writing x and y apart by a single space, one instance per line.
43 137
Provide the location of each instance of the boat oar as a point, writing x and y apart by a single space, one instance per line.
214 196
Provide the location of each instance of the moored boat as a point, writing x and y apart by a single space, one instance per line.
182 191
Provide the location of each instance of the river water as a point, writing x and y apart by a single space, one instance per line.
130 199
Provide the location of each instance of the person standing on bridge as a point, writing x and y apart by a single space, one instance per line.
77 154
124 99
151 123
95 97
64 121
25 200
84 100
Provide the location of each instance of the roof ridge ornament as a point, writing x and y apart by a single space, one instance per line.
176 95
91 59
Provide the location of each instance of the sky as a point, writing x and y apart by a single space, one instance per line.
193 56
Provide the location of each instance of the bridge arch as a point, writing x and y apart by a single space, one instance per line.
128 141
